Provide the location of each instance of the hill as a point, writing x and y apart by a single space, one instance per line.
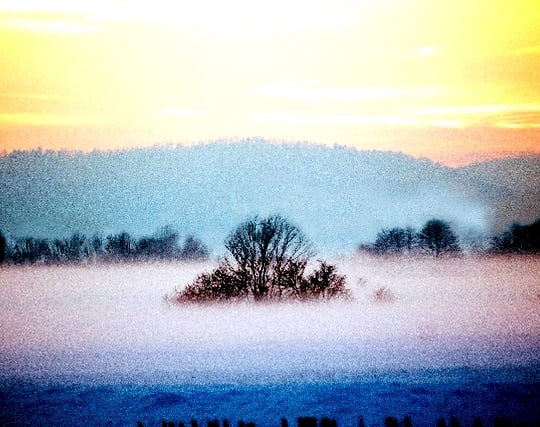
339 196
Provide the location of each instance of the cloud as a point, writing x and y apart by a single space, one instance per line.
479 109
175 112
41 119
50 26
424 51
510 116
300 91
525 50
35 96
503 116
337 119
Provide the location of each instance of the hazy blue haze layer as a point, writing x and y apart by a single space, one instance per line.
339 196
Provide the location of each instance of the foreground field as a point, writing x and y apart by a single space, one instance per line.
104 335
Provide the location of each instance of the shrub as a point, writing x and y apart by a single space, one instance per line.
384 295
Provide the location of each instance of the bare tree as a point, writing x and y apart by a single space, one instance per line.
437 237
3 248
194 249
395 241
268 259
324 283
519 238
265 252
119 245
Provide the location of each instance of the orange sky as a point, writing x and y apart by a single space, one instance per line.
453 81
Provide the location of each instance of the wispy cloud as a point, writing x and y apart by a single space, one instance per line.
49 26
424 51
510 116
525 50
42 119
179 112
35 96
503 116
303 92
337 119
479 109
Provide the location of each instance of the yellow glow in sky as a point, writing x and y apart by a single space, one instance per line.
453 81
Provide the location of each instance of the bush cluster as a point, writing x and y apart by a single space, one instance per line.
438 238
163 244
268 260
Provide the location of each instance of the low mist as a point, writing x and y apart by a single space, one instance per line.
88 320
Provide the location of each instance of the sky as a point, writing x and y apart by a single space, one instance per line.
453 81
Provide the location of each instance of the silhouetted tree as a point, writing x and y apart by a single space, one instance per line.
3 248
395 240
264 251
519 238
60 250
96 245
437 237
324 283
166 239
268 259
193 249
119 245
163 244
76 247
220 285
31 250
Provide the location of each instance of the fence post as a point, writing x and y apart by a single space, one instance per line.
477 422
502 422
307 422
327 422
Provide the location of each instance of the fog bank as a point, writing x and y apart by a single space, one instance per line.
113 320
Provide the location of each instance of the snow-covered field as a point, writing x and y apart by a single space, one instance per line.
97 343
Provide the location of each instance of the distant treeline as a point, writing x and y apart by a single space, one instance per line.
164 244
437 237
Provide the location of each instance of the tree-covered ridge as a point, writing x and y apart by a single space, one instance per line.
340 196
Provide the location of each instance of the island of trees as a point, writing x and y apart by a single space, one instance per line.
268 259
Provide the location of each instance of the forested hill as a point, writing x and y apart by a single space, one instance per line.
339 196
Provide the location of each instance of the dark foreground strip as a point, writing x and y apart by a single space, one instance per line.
329 422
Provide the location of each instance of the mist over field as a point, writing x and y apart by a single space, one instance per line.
459 337
80 320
